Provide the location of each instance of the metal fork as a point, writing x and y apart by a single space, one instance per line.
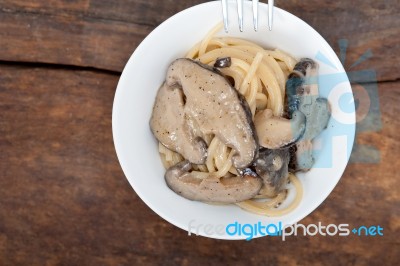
240 13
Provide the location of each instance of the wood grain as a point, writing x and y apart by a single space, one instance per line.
102 34
65 201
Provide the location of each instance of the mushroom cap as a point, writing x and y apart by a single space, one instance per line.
278 132
211 189
173 129
213 106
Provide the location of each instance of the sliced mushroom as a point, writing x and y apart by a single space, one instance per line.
213 106
303 160
173 129
277 132
272 167
300 87
302 95
317 118
316 123
211 189
223 62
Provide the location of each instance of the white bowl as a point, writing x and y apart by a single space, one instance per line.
145 71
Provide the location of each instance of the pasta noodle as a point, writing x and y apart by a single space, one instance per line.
260 76
267 207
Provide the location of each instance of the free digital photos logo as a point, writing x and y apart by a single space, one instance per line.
249 231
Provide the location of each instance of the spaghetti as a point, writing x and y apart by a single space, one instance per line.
260 76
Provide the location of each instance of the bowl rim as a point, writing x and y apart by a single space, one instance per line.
115 129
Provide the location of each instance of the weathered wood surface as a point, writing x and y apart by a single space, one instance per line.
103 34
63 197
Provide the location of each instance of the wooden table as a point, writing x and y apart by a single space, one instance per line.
63 197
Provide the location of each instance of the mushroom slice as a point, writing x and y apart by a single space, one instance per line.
173 129
215 107
211 189
316 123
318 118
272 167
302 95
223 62
303 159
277 132
302 87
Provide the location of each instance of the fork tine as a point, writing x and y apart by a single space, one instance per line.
225 14
255 14
240 13
270 13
